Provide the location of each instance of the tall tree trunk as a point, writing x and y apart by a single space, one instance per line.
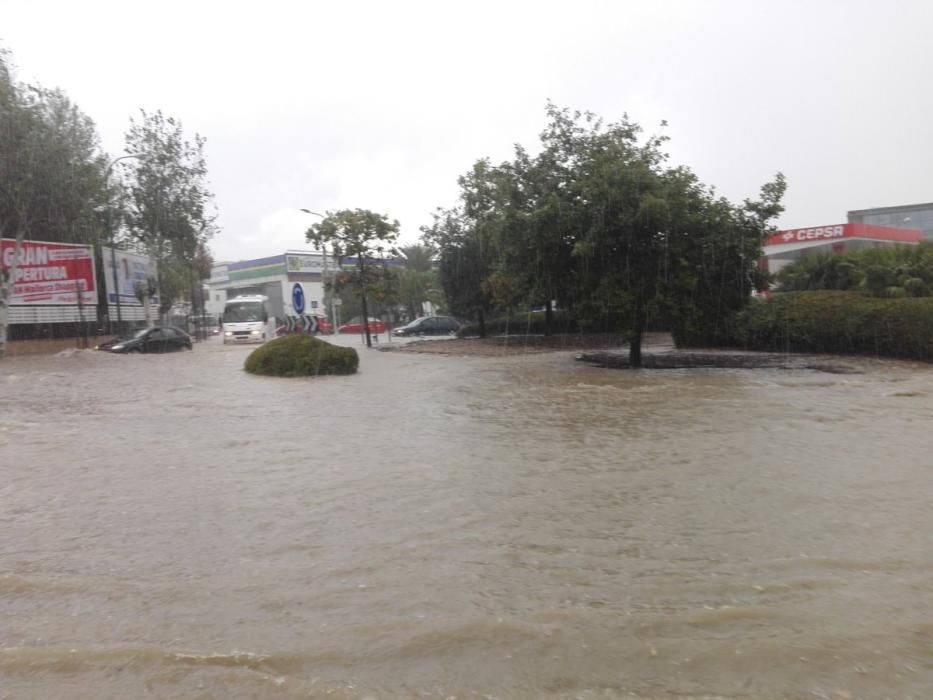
548 318
482 323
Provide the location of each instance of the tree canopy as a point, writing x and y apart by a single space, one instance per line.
360 234
599 222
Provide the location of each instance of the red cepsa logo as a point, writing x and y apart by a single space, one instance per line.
813 234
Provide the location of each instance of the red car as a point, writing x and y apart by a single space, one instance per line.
356 326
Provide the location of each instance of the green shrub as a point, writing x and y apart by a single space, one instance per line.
301 356
839 322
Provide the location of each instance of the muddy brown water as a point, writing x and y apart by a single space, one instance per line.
438 527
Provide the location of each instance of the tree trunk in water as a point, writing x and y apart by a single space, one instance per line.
482 323
6 294
634 353
548 319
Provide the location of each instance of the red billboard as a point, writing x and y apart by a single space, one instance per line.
50 274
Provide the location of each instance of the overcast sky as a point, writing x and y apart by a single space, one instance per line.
381 105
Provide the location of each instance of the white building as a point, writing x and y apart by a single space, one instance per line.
274 277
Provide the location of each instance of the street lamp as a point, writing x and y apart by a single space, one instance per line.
333 313
113 252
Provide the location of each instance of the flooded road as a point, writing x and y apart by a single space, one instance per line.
439 527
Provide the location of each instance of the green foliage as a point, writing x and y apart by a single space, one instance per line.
599 223
51 168
839 322
882 271
364 235
168 208
301 356
418 280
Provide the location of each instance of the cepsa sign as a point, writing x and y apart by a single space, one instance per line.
819 233
49 273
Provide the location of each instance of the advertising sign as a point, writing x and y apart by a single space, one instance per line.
304 263
828 233
131 269
50 274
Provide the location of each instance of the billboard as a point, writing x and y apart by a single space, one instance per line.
50 274
304 262
55 282
132 268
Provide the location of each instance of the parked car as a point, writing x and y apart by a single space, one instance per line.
356 326
158 339
429 325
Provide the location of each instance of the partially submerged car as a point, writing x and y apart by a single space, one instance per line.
157 339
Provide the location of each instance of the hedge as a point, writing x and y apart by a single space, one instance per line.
838 322
301 356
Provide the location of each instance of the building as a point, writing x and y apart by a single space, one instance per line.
913 216
273 277
784 247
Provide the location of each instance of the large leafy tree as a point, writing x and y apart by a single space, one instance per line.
169 207
600 222
360 234
463 265
52 180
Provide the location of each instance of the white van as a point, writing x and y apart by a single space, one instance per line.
247 319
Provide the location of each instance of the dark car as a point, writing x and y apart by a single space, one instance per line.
429 325
159 339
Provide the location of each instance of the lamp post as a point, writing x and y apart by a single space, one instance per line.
333 314
113 252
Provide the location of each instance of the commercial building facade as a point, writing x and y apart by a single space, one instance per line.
911 216
784 247
272 277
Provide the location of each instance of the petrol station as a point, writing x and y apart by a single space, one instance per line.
784 247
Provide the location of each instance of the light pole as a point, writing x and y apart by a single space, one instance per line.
113 251
333 314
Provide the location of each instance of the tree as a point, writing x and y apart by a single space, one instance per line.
51 173
169 208
601 223
360 234
463 266
417 279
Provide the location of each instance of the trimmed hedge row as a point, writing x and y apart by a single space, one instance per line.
838 322
301 356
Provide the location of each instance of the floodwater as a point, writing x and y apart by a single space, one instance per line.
442 527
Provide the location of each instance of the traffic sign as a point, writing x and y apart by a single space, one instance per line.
309 323
298 298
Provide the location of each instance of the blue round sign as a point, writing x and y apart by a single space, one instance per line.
298 299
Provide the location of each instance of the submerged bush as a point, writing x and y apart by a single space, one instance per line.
839 322
301 356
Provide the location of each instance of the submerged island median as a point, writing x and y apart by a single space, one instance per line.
301 356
